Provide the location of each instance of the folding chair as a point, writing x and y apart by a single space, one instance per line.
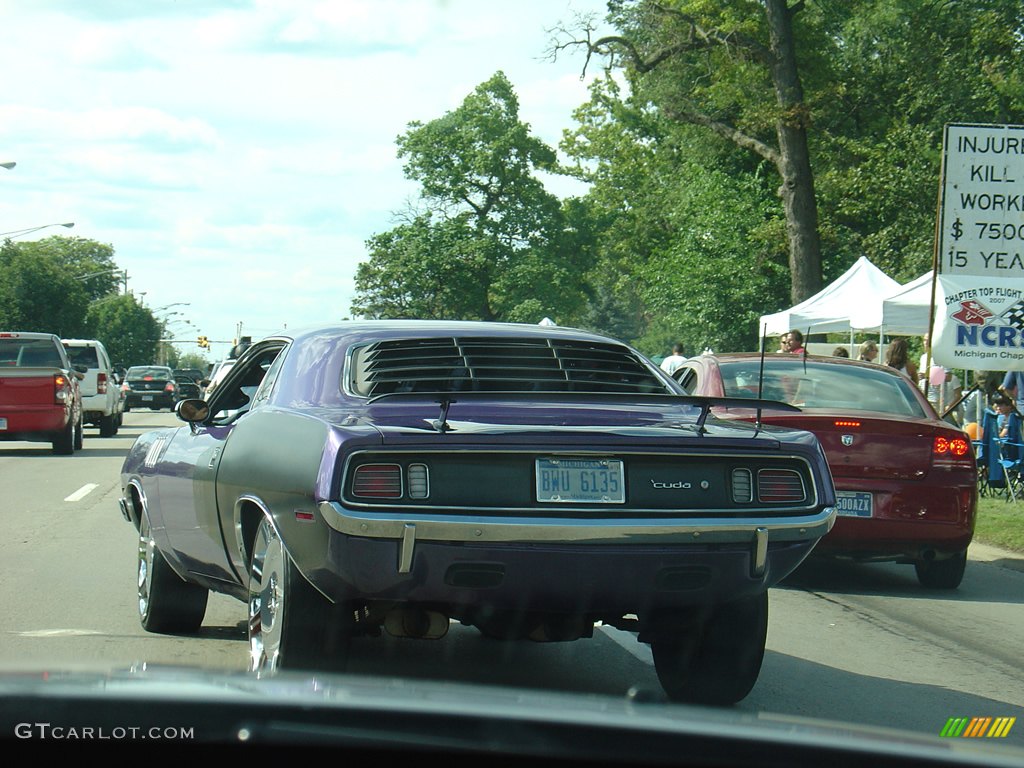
1011 458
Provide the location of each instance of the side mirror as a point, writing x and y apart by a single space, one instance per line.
80 368
193 411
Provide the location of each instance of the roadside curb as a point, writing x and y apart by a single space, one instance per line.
1005 558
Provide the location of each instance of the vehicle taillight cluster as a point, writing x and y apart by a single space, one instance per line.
169 386
101 383
391 481
768 486
61 389
952 452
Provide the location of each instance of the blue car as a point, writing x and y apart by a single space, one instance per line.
529 481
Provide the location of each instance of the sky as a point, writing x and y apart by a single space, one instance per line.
237 154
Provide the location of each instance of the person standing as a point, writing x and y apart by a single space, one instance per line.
796 342
897 356
673 361
868 352
1013 387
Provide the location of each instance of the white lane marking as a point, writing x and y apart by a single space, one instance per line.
57 632
628 641
82 492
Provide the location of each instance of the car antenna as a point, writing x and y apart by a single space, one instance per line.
760 373
441 422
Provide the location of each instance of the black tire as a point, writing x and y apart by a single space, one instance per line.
108 425
127 408
718 662
291 625
942 574
64 444
167 604
79 434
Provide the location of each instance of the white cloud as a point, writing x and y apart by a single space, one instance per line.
238 156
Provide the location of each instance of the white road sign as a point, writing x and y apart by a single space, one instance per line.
981 225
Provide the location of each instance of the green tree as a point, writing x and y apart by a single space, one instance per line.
89 261
882 77
730 68
489 242
37 293
902 69
686 251
127 329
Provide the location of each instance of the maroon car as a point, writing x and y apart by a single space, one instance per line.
906 481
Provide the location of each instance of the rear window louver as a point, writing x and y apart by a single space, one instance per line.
499 365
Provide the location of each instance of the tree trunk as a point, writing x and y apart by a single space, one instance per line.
794 164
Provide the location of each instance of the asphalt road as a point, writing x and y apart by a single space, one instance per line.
855 643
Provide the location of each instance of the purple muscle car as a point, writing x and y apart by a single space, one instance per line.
529 481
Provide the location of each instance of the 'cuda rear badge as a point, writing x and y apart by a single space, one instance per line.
847 440
679 485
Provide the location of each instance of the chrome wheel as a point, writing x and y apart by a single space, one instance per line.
146 548
266 600
166 602
291 625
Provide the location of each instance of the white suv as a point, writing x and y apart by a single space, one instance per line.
102 403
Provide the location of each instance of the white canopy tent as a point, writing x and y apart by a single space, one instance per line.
905 312
831 309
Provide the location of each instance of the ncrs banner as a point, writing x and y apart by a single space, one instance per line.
979 323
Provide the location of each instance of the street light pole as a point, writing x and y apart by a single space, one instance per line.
30 230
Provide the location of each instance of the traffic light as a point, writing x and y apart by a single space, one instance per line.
204 342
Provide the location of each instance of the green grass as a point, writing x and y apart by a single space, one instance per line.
1001 523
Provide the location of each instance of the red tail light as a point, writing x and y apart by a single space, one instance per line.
169 386
101 383
61 389
378 481
780 486
952 452
847 423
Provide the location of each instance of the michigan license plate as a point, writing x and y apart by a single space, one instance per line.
594 481
147 397
854 504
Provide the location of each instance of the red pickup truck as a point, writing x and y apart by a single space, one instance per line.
40 398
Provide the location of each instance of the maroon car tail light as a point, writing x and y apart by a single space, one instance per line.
419 481
742 486
60 388
780 486
101 383
378 481
952 452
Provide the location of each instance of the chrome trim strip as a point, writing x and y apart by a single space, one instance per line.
539 451
461 528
